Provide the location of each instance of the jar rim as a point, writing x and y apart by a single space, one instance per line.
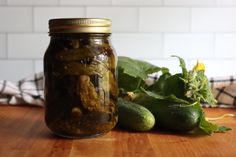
80 25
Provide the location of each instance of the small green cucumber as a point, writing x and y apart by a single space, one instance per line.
133 116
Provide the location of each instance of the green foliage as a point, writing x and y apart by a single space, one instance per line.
132 73
182 65
210 128
198 88
186 89
169 98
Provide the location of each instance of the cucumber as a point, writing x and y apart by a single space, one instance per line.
171 116
133 116
175 117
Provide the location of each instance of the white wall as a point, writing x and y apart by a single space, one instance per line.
145 29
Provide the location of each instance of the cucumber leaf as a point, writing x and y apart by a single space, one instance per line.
182 65
196 85
210 128
198 88
132 73
136 68
206 126
170 98
128 83
158 86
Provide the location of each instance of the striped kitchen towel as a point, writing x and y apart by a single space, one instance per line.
224 90
26 91
30 91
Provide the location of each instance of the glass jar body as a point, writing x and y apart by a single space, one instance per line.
80 85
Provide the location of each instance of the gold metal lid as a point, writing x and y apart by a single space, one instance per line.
80 25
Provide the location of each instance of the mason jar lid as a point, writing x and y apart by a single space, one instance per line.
79 25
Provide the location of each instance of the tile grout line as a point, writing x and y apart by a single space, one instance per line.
34 65
6 44
163 3
32 18
138 19
163 45
214 45
190 20
85 11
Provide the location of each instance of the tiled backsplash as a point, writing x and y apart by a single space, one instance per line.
151 30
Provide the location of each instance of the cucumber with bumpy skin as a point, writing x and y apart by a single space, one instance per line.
171 116
176 118
133 116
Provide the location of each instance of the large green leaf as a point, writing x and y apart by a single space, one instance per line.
210 128
129 83
182 65
158 86
170 98
132 73
137 68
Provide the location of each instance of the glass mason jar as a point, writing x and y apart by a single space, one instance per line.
80 78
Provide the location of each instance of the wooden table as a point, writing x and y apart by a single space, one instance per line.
24 134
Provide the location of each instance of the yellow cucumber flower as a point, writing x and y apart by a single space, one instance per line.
199 66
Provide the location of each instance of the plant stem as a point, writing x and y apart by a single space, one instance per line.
220 117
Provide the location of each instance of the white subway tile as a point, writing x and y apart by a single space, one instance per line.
85 2
16 19
218 67
164 19
225 46
141 46
2 2
2 46
214 68
43 14
32 2
189 45
14 70
137 2
123 18
27 45
189 2
226 2
213 19
150 2
170 63
38 66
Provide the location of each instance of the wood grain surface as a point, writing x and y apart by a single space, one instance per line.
24 134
